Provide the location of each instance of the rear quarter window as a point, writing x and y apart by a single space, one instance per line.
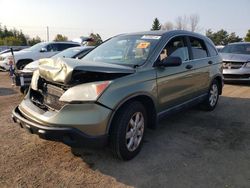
63 46
212 50
198 47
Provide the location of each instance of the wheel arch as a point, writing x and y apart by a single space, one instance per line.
29 60
146 100
220 82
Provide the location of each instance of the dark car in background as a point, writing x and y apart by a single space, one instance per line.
23 77
236 61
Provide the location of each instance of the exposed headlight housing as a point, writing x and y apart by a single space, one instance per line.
85 92
34 80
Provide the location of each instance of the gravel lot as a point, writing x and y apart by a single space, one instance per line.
191 149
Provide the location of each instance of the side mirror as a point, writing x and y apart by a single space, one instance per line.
170 61
43 50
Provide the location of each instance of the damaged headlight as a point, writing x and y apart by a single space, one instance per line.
85 92
34 80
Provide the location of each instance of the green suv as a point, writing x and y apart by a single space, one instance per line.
120 88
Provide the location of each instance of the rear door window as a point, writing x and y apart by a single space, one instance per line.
198 48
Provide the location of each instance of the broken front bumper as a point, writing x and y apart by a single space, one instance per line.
75 124
69 136
242 74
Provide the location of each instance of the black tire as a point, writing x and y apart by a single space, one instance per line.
121 126
208 105
24 90
76 151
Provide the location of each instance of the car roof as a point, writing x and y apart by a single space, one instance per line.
239 43
82 47
62 42
162 32
168 33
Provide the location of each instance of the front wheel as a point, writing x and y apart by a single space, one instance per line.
213 96
127 131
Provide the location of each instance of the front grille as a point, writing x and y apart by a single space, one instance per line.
232 65
47 96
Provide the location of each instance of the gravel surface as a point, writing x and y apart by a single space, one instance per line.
190 149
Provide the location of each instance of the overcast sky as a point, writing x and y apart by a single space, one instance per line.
75 18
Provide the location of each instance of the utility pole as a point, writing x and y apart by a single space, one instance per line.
47 33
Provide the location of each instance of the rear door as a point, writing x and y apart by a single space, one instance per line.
200 62
175 84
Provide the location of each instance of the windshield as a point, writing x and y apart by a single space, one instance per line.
237 49
68 53
127 50
36 47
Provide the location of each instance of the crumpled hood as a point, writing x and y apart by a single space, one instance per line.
60 70
235 57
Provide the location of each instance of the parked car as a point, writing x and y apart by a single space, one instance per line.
38 51
120 88
236 61
23 77
219 47
8 50
5 49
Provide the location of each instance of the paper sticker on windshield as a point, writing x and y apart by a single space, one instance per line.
155 37
143 45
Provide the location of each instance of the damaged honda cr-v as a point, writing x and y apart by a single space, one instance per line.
120 88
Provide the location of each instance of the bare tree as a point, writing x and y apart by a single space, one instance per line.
167 26
194 20
181 22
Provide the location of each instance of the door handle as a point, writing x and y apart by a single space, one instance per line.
189 66
210 62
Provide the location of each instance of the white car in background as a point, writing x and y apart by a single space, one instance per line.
38 51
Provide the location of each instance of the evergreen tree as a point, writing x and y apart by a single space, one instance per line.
60 37
247 38
222 37
156 25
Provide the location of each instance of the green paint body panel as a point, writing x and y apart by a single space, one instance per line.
165 86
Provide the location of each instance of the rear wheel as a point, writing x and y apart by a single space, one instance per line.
127 131
213 96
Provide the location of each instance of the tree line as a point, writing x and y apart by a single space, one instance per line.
14 37
191 23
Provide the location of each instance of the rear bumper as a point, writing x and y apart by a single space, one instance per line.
69 136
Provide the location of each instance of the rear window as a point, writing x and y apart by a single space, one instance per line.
198 48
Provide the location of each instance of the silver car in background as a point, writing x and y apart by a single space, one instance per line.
236 61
